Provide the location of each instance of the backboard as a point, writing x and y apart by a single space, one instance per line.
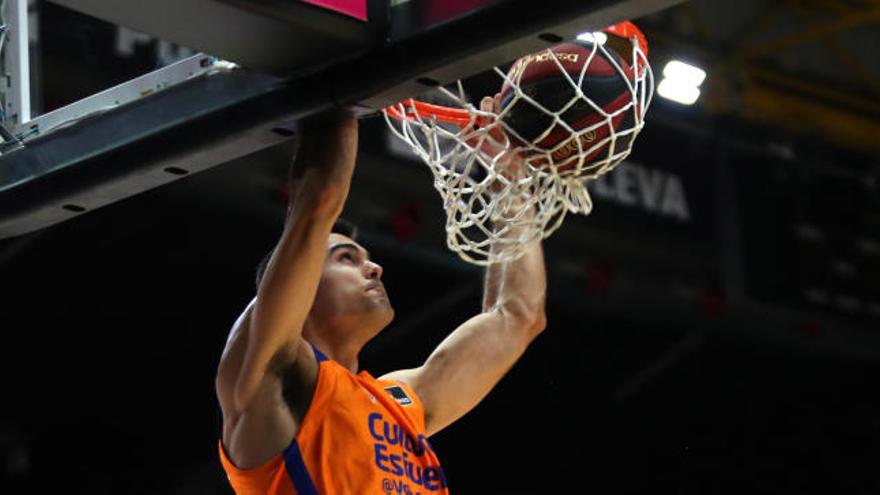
292 59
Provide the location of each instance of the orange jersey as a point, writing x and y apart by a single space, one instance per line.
360 436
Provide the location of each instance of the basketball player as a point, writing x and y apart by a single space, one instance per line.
298 416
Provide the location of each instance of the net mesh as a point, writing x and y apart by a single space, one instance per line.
504 185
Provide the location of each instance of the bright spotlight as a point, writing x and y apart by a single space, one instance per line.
598 37
681 82
686 73
678 92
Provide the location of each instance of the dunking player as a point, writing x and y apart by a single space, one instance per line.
297 415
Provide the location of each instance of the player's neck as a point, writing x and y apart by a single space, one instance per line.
346 357
343 352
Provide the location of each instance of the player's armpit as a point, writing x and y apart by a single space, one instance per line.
468 364
323 170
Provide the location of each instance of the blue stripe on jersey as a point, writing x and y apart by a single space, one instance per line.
319 355
296 469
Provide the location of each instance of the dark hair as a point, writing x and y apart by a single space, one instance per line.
341 226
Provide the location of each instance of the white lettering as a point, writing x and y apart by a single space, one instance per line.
652 190
168 53
623 186
650 187
674 202
126 39
601 188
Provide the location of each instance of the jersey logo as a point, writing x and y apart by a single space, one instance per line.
399 395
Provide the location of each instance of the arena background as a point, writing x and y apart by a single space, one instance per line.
714 325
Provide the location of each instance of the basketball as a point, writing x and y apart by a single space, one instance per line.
544 80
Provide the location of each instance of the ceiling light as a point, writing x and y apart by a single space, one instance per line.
684 73
593 37
675 91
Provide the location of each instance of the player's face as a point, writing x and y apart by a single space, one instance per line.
351 285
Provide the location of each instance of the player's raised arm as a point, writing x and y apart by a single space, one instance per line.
471 360
321 175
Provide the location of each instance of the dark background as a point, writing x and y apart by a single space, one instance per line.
737 351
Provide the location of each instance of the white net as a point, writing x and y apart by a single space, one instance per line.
509 169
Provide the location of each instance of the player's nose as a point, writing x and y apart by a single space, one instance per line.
374 270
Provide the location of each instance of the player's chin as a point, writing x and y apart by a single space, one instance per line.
379 298
381 307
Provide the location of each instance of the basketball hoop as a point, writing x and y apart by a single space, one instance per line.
509 173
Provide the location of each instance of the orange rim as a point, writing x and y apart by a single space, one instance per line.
461 117
629 30
414 108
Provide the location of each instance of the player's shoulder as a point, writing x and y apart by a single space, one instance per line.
400 388
291 373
